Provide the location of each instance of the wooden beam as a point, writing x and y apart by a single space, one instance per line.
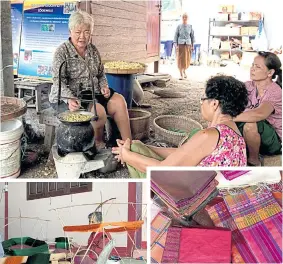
156 66
6 51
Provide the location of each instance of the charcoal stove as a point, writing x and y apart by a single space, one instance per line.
75 152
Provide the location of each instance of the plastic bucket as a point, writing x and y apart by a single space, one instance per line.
122 84
10 148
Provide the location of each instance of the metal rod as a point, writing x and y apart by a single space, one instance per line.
24 217
54 209
60 84
93 94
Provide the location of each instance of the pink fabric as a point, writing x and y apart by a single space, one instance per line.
229 152
272 95
230 175
172 245
205 246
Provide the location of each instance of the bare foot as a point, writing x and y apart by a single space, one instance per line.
100 145
185 75
254 163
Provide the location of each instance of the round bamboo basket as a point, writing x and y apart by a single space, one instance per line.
124 71
183 141
164 123
139 121
12 107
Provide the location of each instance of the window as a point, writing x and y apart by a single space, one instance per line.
39 190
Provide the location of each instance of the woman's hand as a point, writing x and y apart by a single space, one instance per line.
123 147
106 91
74 104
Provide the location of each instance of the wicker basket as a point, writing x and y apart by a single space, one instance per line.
139 121
163 123
124 71
12 107
183 141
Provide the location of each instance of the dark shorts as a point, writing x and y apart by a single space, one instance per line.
270 141
99 99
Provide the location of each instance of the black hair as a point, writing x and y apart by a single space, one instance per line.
272 62
231 93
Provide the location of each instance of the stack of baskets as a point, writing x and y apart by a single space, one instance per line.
166 123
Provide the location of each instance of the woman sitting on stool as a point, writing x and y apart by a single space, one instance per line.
84 61
261 123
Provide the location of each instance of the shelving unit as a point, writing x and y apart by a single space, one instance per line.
220 23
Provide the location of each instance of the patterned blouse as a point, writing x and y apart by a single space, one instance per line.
229 152
75 74
184 35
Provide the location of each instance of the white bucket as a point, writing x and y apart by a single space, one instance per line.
10 148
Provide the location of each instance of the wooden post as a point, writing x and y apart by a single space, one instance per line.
6 50
156 66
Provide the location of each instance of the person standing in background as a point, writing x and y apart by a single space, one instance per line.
184 43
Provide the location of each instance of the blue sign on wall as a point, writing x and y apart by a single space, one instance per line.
45 27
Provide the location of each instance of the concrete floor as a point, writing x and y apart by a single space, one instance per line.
202 73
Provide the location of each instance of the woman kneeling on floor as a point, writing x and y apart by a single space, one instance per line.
219 145
261 123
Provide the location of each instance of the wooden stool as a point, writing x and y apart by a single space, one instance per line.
49 119
36 87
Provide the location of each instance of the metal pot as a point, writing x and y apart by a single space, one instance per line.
75 136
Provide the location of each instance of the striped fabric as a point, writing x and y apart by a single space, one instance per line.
158 225
241 252
172 245
259 219
158 248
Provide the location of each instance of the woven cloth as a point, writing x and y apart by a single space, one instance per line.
259 219
172 245
195 204
241 252
202 245
158 248
180 186
230 175
158 226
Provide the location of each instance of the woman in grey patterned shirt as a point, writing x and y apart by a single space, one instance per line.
83 63
184 43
